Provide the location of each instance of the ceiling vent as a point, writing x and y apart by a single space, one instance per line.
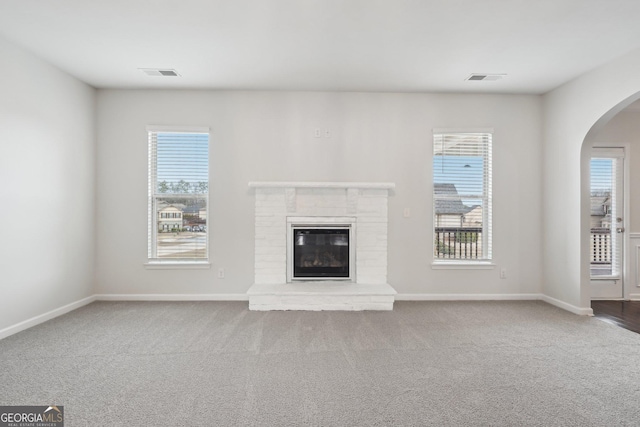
485 77
163 72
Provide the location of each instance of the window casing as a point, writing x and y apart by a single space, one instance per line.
462 218
178 195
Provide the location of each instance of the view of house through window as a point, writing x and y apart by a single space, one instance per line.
606 185
462 196
178 195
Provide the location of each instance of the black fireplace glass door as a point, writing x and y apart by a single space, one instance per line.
321 253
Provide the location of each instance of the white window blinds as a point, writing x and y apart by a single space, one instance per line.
178 195
462 195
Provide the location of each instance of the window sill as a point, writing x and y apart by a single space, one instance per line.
177 265
609 279
462 265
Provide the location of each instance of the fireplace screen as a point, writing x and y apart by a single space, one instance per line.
321 253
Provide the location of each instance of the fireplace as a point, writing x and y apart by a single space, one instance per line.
321 246
320 253
320 249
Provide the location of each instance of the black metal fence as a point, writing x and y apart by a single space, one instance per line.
466 243
458 243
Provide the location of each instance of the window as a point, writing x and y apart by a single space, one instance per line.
607 216
178 192
462 196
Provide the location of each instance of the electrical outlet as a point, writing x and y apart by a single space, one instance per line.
221 273
407 212
503 273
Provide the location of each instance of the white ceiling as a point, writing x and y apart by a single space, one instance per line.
359 45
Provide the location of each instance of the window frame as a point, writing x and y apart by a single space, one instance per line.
487 197
154 262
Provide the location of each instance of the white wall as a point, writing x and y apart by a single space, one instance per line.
47 192
269 136
570 113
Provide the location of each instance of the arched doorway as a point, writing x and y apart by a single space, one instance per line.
571 113
609 168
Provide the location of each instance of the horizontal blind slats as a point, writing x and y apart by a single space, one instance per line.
178 188
462 195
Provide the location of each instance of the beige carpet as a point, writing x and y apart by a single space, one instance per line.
425 363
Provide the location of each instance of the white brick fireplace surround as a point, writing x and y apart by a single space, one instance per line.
363 205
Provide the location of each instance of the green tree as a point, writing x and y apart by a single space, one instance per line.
181 186
163 187
202 187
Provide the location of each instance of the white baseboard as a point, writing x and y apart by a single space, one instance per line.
582 311
18 327
634 297
468 297
499 297
171 297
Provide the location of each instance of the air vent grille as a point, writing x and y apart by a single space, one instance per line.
485 77
163 72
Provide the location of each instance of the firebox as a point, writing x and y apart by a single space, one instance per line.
321 252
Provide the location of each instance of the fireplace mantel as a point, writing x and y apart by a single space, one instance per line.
364 202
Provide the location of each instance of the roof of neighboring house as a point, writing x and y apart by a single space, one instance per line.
192 209
163 205
452 205
597 205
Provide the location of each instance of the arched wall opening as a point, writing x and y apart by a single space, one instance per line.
571 113
616 128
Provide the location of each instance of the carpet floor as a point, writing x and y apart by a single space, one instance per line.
422 364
